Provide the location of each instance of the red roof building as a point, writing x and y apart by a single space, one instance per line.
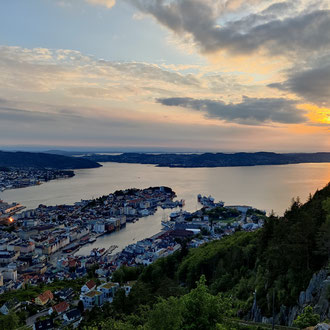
61 307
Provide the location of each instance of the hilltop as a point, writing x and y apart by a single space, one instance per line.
21 159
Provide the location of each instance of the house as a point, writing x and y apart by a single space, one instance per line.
92 298
72 315
109 290
65 293
44 298
90 285
9 305
44 325
59 308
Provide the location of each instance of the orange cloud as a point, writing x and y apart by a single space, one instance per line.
106 3
316 114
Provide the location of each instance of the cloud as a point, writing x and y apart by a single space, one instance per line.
312 84
266 29
63 96
46 70
251 111
63 127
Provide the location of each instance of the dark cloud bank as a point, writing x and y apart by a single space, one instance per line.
312 84
251 111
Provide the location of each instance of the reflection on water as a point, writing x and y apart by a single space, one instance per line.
265 187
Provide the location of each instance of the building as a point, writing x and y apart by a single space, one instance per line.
27 247
90 285
72 316
44 325
64 293
59 308
44 298
99 227
6 257
10 305
8 274
109 290
92 298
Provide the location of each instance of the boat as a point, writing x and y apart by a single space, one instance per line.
167 225
71 248
174 215
98 252
182 203
92 240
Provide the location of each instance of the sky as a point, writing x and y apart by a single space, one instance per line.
201 75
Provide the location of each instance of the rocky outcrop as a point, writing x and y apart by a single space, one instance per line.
322 326
314 289
316 295
255 312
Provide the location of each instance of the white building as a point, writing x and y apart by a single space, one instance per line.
92 298
109 290
9 274
99 227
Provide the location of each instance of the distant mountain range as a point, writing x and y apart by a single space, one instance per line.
43 160
214 159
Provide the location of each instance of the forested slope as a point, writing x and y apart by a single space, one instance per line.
42 160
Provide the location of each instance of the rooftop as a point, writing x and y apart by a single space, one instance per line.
108 285
93 293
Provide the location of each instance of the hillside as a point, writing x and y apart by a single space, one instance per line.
43 160
280 258
214 159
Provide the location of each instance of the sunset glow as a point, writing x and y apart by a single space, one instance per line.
106 73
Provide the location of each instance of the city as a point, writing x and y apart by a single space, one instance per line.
42 245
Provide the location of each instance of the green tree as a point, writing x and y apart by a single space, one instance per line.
306 319
323 237
201 310
166 315
120 302
81 306
10 321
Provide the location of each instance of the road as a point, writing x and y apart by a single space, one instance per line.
30 320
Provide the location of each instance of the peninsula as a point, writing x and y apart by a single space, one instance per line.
43 161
